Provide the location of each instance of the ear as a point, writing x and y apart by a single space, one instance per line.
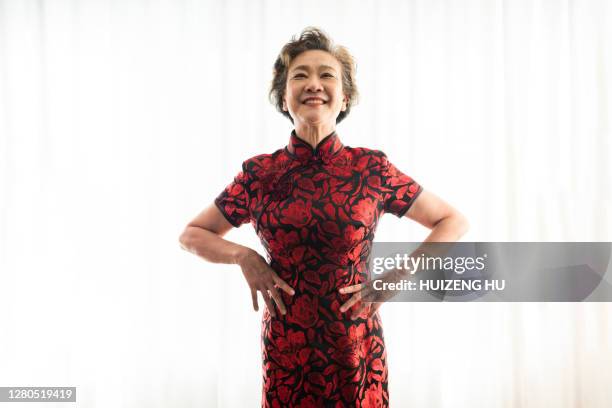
344 103
285 104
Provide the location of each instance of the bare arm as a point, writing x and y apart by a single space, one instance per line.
446 223
203 237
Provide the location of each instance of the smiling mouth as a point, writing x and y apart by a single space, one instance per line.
314 101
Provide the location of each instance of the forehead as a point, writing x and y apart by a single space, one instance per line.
315 59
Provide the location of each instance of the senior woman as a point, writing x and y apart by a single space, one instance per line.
315 205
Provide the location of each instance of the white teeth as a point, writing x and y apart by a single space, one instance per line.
314 102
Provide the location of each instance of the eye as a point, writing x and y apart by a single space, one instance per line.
328 75
299 76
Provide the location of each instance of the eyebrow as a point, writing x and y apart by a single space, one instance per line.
307 68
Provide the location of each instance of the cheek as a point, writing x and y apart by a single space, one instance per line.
338 101
290 96
339 96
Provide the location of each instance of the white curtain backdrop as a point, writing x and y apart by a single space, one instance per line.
120 120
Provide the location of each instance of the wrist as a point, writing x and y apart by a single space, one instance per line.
241 254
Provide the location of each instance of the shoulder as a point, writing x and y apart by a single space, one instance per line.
364 157
363 152
263 164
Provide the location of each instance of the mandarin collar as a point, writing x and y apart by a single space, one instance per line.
327 148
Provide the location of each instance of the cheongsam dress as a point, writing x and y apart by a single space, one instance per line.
315 212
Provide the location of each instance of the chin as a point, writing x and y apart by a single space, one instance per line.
314 119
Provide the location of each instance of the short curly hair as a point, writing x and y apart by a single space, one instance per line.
313 38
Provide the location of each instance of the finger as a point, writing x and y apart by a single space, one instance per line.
266 296
254 299
278 300
373 308
352 288
354 299
282 284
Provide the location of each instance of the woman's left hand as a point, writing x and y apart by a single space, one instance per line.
370 298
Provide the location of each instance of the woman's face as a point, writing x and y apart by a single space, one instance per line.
313 95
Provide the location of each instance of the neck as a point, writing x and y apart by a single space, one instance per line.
313 134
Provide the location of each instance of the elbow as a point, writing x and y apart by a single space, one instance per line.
185 238
454 224
462 225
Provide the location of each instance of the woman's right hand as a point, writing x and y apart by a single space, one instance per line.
261 277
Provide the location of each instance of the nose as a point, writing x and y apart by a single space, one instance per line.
314 84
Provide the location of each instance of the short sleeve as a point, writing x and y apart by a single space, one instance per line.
399 190
233 201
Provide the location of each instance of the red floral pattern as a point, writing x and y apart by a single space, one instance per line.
316 212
